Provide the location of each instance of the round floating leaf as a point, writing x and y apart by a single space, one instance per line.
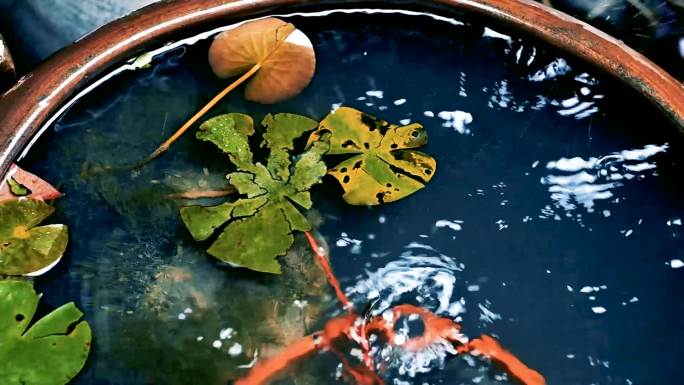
259 227
385 169
276 58
285 57
24 248
51 352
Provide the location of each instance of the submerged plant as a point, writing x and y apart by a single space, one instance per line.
361 330
50 352
260 226
277 57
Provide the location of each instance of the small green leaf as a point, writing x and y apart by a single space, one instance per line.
229 133
25 248
281 131
17 188
385 169
51 352
309 169
259 227
22 183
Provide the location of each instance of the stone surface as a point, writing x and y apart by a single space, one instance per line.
37 28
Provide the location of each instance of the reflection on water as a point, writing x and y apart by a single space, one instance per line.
584 182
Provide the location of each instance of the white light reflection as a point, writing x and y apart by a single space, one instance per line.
488 32
556 68
457 120
595 179
453 225
420 275
419 272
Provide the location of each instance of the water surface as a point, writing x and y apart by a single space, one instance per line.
553 221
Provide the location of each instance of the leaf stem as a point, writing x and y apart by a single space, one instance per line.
198 194
165 146
325 265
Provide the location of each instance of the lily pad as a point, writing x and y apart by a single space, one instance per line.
277 59
22 183
385 168
25 247
51 352
260 224
284 54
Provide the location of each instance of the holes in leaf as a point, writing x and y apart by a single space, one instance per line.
366 145
389 185
19 317
428 171
415 134
346 179
357 165
343 169
394 145
369 122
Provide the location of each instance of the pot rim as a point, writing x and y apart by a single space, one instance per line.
38 95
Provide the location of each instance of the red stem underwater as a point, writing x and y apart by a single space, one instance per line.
437 330
325 265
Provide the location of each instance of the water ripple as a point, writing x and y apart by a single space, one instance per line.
596 179
421 275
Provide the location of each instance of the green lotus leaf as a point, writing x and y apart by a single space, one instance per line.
384 167
51 352
25 247
256 229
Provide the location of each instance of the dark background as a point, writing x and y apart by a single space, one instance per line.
35 29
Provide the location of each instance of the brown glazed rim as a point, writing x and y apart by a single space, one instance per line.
31 102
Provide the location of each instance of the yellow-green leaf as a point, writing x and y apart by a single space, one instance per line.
385 168
24 248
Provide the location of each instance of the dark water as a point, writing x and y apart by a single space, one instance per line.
553 221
